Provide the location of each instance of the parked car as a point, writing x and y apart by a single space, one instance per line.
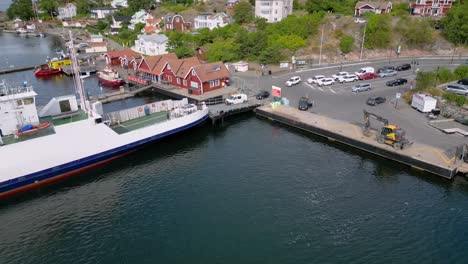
325 81
375 100
384 68
396 82
403 67
359 20
463 81
340 74
462 120
236 99
304 104
387 73
315 79
262 95
361 87
457 88
293 81
368 76
348 78
364 70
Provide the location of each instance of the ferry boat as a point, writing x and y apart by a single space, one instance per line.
80 136
44 70
109 77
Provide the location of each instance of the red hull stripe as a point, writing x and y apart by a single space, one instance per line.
60 177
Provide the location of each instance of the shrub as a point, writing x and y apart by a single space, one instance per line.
445 75
346 44
461 72
460 100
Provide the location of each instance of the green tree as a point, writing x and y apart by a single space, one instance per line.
455 23
136 5
345 7
378 32
290 42
461 71
223 50
20 8
243 13
49 6
83 7
445 75
270 55
346 44
101 25
425 80
400 9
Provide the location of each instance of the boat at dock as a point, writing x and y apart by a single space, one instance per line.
109 77
73 135
45 70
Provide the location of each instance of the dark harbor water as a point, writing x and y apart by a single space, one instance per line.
248 192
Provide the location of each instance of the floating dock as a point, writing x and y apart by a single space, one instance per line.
419 156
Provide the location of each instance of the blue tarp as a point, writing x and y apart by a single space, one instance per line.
26 128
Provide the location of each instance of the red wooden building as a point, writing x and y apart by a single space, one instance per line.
430 7
121 57
150 67
177 23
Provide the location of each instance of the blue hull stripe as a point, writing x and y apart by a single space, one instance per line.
26 180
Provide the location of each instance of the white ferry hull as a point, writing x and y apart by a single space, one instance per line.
77 147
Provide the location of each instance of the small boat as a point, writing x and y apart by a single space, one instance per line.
45 70
109 77
21 31
31 129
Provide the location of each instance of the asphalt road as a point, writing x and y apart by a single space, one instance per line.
339 102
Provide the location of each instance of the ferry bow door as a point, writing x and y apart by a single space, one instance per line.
65 106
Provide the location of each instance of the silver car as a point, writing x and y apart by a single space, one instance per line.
361 87
388 73
457 88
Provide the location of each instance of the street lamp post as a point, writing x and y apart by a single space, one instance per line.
362 42
321 42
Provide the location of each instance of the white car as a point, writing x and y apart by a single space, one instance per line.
236 99
340 74
359 20
315 79
348 78
293 81
325 81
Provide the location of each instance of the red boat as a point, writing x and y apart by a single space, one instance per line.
45 70
109 77
30 129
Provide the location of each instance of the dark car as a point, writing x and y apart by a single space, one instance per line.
262 95
403 67
463 81
304 104
396 82
385 68
375 100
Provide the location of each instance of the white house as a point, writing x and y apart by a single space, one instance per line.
211 20
95 38
117 22
139 17
77 24
102 12
273 10
119 3
67 11
96 47
151 44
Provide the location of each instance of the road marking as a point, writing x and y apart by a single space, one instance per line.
320 89
331 90
310 85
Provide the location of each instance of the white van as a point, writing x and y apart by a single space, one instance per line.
365 70
236 99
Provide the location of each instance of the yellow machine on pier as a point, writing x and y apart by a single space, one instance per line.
59 63
389 134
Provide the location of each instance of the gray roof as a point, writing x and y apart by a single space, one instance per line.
155 38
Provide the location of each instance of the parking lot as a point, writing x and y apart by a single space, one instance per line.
339 102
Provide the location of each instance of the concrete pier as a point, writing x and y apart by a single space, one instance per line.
18 69
420 156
